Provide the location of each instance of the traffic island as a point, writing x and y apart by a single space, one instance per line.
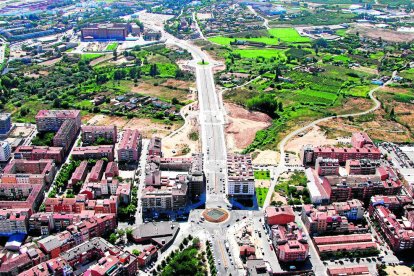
215 215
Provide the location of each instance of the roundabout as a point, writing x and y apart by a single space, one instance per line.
215 215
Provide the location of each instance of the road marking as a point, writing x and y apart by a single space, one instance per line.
223 254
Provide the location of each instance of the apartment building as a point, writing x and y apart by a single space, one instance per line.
129 148
290 243
14 221
240 175
66 135
154 148
92 134
79 175
363 148
5 151
52 120
333 218
164 198
361 167
362 187
21 196
21 171
398 232
5 123
327 166
93 152
81 203
279 215
40 152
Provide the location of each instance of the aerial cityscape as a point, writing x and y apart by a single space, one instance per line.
206 137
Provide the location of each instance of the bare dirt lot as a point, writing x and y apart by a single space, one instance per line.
147 127
367 30
399 270
269 157
50 62
165 90
179 143
242 126
313 137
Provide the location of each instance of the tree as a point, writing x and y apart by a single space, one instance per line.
153 70
112 238
175 101
136 252
115 54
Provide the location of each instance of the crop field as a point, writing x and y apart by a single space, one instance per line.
275 36
89 56
266 53
111 46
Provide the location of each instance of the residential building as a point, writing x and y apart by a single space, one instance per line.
93 152
362 187
279 215
327 166
399 233
66 135
361 167
22 262
290 243
55 266
81 203
92 134
52 120
240 175
333 218
147 256
5 123
14 221
20 171
108 31
21 196
395 204
97 171
40 152
154 148
5 151
362 148
130 146
79 175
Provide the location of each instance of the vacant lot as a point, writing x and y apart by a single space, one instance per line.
164 91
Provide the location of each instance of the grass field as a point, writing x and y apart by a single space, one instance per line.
262 175
266 53
275 36
360 91
111 46
261 195
89 57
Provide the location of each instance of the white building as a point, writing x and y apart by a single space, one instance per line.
317 194
5 151
240 175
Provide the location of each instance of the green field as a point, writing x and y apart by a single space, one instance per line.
111 46
275 36
261 195
89 57
262 175
266 53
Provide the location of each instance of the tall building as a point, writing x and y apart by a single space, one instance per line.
5 123
130 146
5 151
240 175
52 120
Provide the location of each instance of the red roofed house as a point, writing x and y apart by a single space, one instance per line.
353 270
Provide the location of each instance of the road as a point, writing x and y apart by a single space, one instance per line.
282 164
